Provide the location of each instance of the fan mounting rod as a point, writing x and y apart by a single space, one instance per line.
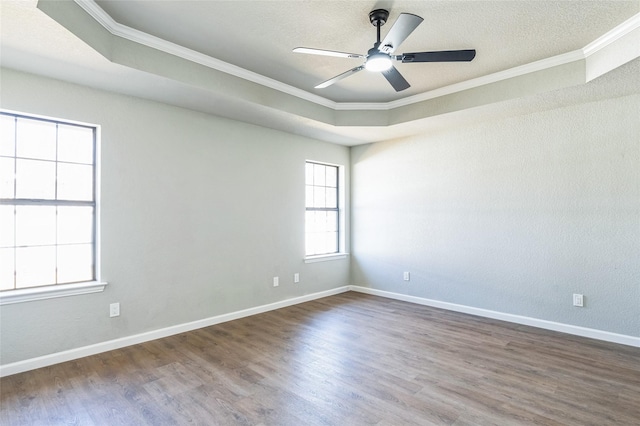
378 18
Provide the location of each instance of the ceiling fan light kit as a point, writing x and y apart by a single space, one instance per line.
380 57
378 61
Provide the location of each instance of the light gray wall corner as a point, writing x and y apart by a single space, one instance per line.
514 214
199 213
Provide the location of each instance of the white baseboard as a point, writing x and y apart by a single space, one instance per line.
622 339
71 354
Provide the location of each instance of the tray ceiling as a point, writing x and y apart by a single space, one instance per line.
234 59
259 36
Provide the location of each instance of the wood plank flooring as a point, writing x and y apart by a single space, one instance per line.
350 359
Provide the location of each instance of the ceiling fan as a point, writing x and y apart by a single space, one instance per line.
380 57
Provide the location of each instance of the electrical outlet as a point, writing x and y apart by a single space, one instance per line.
114 310
406 276
578 300
296 277
276 281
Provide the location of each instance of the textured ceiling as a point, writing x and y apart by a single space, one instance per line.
259 36
54 40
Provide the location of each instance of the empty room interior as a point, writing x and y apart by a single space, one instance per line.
320 212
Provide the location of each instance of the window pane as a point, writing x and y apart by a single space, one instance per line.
75 144
308 222
308 173
35 225
315 222
332 176
6 268
321 222
7 135
314 243
7 226
35 266
321 232
75 182
309 196
332 197
75 263
331 223
75 225
35 179
319 196
331 239
36 139
319 174
7 174
321 243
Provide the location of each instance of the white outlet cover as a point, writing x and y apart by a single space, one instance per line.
578 300
114 310
276 281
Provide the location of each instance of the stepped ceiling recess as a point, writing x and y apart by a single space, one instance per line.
234 58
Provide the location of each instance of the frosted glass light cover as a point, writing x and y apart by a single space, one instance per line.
378 62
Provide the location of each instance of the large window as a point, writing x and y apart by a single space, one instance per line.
322 209
47 202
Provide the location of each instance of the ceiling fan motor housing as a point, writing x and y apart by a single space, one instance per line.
378 17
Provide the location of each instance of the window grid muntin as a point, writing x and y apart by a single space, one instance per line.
52 202
333 185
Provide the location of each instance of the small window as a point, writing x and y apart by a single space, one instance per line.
47 202
322 222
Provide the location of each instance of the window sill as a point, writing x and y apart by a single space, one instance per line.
50 292
325 257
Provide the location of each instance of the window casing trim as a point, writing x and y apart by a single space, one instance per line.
325 257
342 252
51 291
76 288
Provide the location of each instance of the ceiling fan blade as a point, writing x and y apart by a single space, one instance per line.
404 25
312 51
339 77
396 79
442 56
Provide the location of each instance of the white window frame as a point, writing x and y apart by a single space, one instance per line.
342 229
66 289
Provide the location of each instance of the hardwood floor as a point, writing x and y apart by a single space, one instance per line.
350 359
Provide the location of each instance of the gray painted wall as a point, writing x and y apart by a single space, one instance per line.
198 214
511 215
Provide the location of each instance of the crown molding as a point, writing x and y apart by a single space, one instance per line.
612 36
140 37
540 65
